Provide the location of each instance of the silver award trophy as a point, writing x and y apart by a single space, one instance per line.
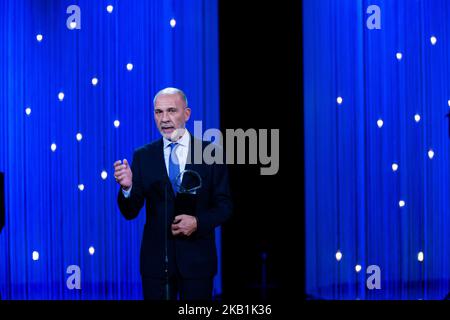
188 182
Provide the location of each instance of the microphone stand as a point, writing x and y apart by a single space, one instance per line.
166 258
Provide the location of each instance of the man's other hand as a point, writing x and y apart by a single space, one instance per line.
184 225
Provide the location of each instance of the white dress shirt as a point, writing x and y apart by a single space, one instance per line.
181 151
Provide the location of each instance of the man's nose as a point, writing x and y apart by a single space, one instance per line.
165 117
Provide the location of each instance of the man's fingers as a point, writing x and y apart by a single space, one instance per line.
118 164
176 232
175 227
121 174
181 225
121 177
120 171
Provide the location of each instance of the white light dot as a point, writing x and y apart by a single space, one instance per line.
129 66
81 187
61 96
338 255
339 100
79 136
448 102
401 203
431 154
173 23
28 111
116 123
91 250
420 256
35 255
399 56
358 268
104 175
53 147
394 167
433 40
417 117
109 8
73 25
39 37
379 123
94 81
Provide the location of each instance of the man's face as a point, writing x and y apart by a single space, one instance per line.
171 115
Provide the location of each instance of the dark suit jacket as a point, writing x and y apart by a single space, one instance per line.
194 256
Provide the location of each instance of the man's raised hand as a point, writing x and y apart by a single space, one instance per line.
123 174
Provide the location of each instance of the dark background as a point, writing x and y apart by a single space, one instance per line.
261 87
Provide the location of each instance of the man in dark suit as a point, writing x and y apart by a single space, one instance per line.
177 248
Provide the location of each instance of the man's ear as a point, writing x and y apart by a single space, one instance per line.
187 114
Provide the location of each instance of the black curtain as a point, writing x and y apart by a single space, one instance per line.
261 87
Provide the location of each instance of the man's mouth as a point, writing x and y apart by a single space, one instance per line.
167 129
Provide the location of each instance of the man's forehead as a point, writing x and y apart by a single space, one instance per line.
168 100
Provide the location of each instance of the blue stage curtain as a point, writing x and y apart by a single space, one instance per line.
46 210
353 193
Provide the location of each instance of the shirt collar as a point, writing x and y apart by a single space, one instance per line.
184 140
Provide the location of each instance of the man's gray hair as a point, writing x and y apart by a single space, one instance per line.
170 90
